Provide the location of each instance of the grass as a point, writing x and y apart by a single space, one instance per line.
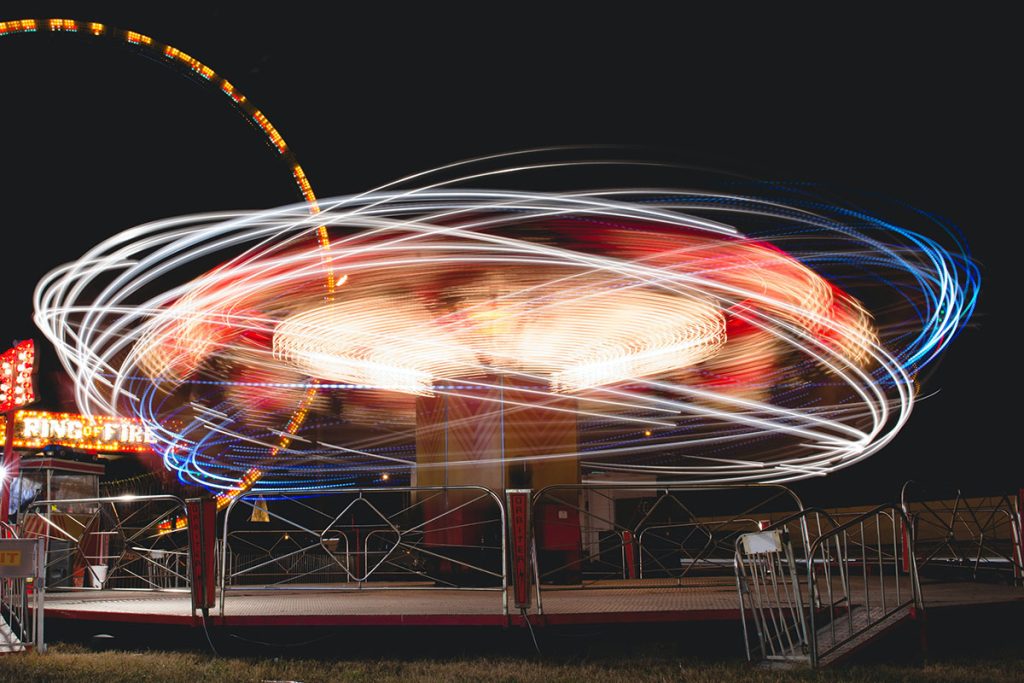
74 663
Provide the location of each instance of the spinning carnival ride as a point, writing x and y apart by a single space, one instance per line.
508 339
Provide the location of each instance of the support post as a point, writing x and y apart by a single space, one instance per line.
38 593
905 546
518 503
628 555
202 535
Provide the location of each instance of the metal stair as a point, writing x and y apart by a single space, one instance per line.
8 641
819 601
854 629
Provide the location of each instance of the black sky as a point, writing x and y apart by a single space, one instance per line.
97 139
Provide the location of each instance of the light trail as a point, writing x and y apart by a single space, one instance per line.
650 307
745 362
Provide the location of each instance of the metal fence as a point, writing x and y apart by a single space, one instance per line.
812 584
960 537
365 539
115 543
588 533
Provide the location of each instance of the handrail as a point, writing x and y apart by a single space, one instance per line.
806 512
785 623
128 498
277 560
782 524
916 598
668 485
794 605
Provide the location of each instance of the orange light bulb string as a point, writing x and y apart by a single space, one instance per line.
204 74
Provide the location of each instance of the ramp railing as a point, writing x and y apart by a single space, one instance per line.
867 589
820 601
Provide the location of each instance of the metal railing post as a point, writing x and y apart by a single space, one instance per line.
38 594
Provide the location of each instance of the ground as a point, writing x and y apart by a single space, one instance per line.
76 663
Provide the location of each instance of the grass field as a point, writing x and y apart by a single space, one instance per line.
76 663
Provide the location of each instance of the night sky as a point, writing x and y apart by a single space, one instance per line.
98 139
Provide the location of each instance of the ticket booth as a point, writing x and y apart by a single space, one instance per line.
53 476
61 457
45 477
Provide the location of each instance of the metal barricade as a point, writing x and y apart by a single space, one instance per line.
21 593
773 595
582 541
114 543
399 538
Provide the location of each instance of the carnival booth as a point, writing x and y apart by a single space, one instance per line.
59 459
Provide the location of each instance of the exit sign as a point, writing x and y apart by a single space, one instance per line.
20 558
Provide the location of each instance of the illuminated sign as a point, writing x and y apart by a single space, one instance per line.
17 367
35 429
